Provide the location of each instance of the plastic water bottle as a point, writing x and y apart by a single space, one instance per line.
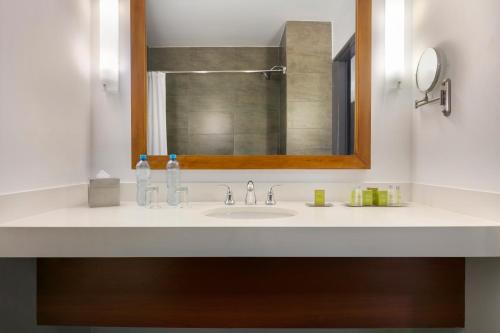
173 180
143 175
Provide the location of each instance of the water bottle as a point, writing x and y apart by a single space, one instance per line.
143 175
173 180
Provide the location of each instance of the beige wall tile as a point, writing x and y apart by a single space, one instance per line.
196 103
210 123
310 64
249 119
256 144
213 58
309 86
179 59
266 98
309 114
283 100
176 119
182 133
219 104
309 142
254 89
179 85
178 142
256 57
199 84
304 37
211 144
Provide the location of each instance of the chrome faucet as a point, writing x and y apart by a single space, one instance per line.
270 198
250 198
228 201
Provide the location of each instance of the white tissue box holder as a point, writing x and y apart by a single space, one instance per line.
104 192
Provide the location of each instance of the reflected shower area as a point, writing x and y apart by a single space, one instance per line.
283 88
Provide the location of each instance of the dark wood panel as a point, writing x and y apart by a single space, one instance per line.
252 292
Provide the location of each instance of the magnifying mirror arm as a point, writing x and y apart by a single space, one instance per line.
444 99
426 100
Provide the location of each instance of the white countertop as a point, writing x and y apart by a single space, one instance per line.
132 231
129 215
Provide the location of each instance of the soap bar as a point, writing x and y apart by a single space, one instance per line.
367 198
319 197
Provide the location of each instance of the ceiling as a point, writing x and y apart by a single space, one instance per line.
224 23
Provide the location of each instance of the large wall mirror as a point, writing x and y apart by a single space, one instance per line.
252 84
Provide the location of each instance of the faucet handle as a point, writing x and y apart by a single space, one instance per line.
250 197
250 185
228 201
270 201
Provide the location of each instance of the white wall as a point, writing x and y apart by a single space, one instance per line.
110 111
44 102
391 126
463 150
18 299
44 93
222 23
344 27
481 295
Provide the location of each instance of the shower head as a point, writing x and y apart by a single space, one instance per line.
275 69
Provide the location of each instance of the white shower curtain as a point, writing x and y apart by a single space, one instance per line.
157 114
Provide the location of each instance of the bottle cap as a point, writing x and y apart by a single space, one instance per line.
173 157
143 157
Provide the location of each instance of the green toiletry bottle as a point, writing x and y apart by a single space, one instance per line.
382 198
374 191
367 198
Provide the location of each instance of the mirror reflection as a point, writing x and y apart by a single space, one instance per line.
428 70
251 77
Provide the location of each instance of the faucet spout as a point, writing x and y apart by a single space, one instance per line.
250 198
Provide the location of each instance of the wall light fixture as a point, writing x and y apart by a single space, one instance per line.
109 44
394 40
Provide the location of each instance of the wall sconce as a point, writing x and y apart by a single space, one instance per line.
395 41
109 44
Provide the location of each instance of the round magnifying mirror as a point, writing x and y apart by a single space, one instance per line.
428 70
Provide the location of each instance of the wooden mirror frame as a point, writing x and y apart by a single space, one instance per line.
362 153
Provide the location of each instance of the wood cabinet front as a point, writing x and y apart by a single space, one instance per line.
252 292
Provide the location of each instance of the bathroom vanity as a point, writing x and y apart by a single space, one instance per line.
288 266
302 101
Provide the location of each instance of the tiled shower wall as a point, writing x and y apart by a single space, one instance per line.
283 118
220 114
308 48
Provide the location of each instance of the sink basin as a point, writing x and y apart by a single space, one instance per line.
250 213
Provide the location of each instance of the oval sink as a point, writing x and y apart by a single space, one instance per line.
250 213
